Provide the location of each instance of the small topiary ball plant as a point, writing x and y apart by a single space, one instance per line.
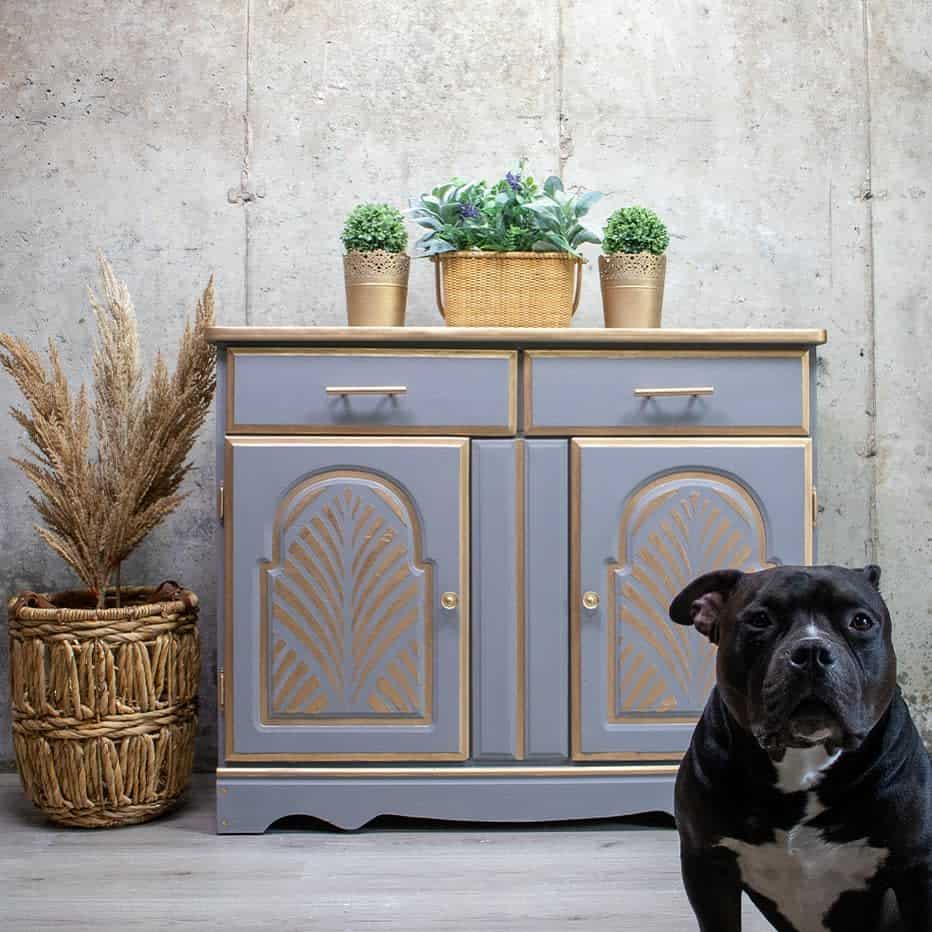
635 229
375 226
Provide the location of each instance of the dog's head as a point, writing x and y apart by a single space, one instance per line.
805 653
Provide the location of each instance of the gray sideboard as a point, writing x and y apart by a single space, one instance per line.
447 556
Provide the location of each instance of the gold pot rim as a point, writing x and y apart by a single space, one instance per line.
607 256
374 252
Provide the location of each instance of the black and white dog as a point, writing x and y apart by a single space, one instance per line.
806 783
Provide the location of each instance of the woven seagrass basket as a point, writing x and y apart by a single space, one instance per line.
508 289
104 702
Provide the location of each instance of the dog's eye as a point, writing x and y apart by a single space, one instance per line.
758 620
861 622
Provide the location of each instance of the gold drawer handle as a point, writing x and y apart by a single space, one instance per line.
449 600
673 392
590 600
367 389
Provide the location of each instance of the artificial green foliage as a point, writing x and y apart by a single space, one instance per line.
513 215
635 229
557 218
375 226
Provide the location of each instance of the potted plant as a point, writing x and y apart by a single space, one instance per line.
375 266
633 269
104 679
508 254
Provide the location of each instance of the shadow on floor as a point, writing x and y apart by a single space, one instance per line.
641 822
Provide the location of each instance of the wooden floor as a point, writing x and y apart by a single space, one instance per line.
605 876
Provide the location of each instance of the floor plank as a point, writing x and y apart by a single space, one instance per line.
604 876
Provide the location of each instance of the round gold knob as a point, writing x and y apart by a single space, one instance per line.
590 600
449 600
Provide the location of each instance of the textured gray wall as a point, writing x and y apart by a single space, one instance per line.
788 145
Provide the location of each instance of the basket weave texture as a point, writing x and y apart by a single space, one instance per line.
508 289
104 702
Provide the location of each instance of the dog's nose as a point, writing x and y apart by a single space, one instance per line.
812 655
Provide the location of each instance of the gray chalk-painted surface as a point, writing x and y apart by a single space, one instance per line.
546 585
309 517
582 392
494 599
652 518
540 723
250 805
381 529
449 393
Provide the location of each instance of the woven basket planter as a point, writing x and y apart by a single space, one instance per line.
508 289
104 702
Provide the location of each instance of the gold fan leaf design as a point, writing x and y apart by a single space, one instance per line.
346 603
673 530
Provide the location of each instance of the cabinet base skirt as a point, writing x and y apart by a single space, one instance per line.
249 805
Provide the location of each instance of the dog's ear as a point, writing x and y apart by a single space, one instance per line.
872 572
700 603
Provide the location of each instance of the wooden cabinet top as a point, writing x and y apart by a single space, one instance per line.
513 337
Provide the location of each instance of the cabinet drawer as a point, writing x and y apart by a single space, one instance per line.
687 392
367 391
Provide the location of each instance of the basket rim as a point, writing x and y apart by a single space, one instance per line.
124 613
493 254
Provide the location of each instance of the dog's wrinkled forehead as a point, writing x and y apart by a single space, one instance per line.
717 603
817 590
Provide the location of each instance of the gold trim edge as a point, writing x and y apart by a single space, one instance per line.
516 336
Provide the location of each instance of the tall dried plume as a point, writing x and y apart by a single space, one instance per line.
98 506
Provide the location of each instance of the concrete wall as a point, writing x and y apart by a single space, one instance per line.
787 145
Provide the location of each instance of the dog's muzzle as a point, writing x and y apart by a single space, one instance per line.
808 698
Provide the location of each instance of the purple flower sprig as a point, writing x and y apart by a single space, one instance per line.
514 180
469 211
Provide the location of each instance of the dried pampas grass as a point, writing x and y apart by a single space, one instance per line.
97 508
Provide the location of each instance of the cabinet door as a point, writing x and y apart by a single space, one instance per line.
648 516
346 603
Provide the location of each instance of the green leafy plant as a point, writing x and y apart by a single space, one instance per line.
513 215
558 217
635 229
375 226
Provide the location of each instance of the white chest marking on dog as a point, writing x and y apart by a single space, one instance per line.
799 871
804 768
802 873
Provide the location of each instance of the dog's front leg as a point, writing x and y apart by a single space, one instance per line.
913 890
713 885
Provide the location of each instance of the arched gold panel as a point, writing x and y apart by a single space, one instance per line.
672 530
346 619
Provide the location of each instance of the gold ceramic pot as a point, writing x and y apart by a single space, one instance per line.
632 288
376 288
